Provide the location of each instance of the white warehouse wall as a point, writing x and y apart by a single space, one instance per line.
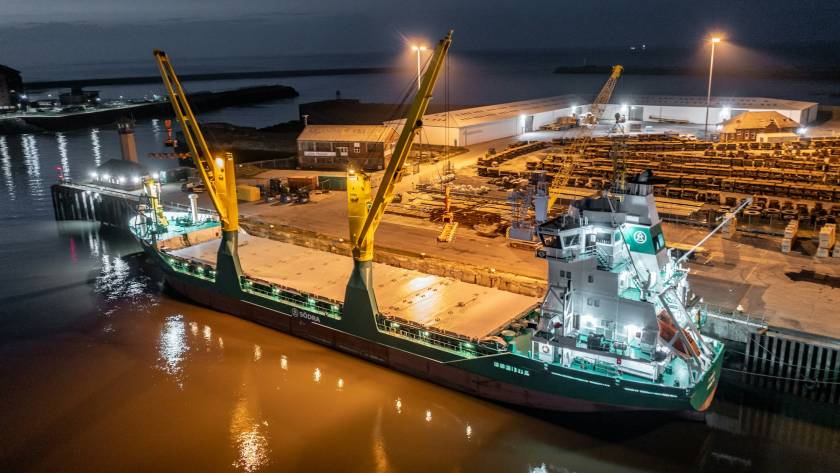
491 131
697 115
483 132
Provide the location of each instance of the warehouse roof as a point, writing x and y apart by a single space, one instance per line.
758 121
493 113
756 103
357 133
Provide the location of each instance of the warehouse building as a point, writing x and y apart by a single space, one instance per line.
367 147
11 87
469 126
691 110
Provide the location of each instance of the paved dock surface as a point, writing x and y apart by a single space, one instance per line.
443 303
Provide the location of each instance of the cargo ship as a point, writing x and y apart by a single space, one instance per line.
618 328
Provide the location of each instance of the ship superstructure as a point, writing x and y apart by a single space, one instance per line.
617 300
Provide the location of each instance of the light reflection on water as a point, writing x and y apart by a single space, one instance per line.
249 438
6 168
32 161
61 141
173 347
95 146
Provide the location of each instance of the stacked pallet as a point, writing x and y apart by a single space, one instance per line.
828 238
729 228
790 235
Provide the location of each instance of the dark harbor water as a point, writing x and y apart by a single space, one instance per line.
101 370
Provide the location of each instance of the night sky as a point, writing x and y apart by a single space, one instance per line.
70 31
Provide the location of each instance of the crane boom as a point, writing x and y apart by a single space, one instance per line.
217 174
584 136
365 214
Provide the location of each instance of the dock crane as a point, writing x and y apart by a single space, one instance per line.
216 172
364 213
583 137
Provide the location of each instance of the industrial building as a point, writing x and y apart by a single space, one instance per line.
366 147
11 86
691 110
469 126
750 126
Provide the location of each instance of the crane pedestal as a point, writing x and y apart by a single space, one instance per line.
360 300
228 268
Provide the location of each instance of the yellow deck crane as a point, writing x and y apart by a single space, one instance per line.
365 213
152 189
583 137
216 172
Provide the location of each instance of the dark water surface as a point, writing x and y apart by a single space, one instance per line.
102 371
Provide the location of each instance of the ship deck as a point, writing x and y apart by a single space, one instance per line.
433 301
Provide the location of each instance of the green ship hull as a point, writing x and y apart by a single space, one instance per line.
352 327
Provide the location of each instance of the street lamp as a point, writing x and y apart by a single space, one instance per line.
714 40
418 49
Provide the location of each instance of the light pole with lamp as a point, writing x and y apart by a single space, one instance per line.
715 40
418 49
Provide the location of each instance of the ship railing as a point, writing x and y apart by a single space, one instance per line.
433 337
304 301
190 266
710 310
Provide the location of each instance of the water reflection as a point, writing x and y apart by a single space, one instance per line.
249 438
31 161
172 347
6 167
95 146
194 328
284 363
316 375
380 453
257 353
118 282
61 141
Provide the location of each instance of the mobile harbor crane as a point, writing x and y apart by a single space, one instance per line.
217 173
365 213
